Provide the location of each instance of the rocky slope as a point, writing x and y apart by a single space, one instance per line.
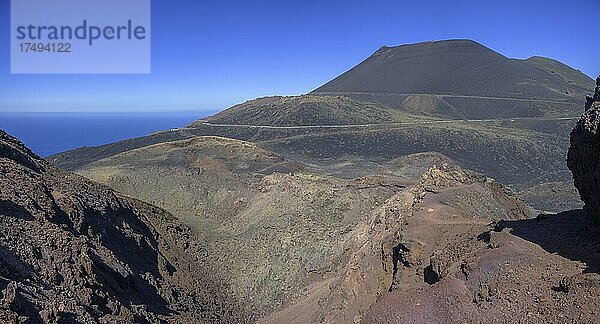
438 253
543 270
561 70
74 251
418 238
446 245
415 238
584 156
271 227
306 110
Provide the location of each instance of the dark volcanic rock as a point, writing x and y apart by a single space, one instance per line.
72 250
584 156
455 67
11 148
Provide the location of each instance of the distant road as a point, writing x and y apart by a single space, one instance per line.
439 95
417 122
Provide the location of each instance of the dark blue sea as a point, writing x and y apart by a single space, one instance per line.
50 133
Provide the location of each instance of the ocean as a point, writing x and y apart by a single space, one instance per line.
50 133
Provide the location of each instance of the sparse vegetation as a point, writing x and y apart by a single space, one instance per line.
330 207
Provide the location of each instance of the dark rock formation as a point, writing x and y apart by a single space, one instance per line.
584 156
74 251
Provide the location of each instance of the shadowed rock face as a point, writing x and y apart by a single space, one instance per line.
584 156
74 251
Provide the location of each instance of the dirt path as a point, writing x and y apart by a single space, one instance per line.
441 96
417 122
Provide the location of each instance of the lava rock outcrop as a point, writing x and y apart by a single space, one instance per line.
72 250
584 156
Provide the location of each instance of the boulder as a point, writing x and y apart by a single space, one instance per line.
584 156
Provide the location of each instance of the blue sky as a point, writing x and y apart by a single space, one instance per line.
208 55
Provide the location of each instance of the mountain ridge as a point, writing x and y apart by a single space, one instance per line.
461 68
518 141
459 50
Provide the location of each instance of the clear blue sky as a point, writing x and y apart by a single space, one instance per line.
211 54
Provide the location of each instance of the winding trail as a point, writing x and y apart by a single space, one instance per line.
416 122
440 96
